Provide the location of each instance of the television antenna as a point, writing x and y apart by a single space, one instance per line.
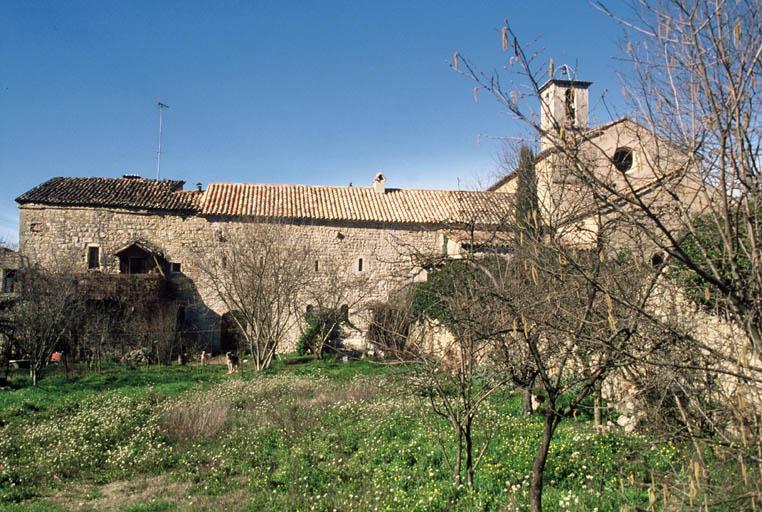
161 106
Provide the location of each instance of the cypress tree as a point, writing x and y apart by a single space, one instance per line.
527 211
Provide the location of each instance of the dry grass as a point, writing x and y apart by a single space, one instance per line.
186 421
303 402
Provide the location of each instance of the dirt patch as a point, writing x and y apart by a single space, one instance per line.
146 491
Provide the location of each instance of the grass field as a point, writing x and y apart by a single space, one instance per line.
305 435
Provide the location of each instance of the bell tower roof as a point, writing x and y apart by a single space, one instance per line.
566 84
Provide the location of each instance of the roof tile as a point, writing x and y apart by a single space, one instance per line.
137 193
354 204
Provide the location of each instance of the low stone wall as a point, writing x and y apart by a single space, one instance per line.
715 338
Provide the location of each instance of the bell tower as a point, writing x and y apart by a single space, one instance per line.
563 104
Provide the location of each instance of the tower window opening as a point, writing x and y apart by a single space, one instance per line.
571 112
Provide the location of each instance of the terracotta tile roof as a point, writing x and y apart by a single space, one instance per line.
144 194
355 204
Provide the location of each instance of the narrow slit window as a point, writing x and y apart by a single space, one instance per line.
93 258
317 265
359 264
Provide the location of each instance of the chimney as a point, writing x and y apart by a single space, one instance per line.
199 187
131 176
379 183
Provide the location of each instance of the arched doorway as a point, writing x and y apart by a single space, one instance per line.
231 337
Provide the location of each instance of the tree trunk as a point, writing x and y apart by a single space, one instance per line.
469 454
538 467
597 400
33 373
527 400
458 456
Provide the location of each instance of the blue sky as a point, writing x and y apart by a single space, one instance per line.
270 91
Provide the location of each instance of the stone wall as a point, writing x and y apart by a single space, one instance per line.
9 261
717 342
55 236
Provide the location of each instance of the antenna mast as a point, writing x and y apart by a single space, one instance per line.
161 106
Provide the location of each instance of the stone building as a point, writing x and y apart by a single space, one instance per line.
131 225
10 263
622 154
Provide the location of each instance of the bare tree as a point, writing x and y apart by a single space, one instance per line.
563 325
695 92
442 331
48 306
259 273
693 85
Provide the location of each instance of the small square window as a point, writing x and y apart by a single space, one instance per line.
9 281
93 258
175 268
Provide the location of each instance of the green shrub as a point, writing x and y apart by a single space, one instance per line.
323 331
706 249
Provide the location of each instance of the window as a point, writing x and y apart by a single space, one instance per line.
359 264
571 113
344 310
93 257
317 266
486 248
9 281
657 260
175 268
35 227
622 159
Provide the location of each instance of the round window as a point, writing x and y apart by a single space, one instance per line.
622 159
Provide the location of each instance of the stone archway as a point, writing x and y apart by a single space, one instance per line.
231 337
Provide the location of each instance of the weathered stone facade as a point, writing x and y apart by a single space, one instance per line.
55 236
10 262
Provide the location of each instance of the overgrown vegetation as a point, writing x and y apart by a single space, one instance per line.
732 263
322 332
322 434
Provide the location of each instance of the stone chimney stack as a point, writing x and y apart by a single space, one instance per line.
379 183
